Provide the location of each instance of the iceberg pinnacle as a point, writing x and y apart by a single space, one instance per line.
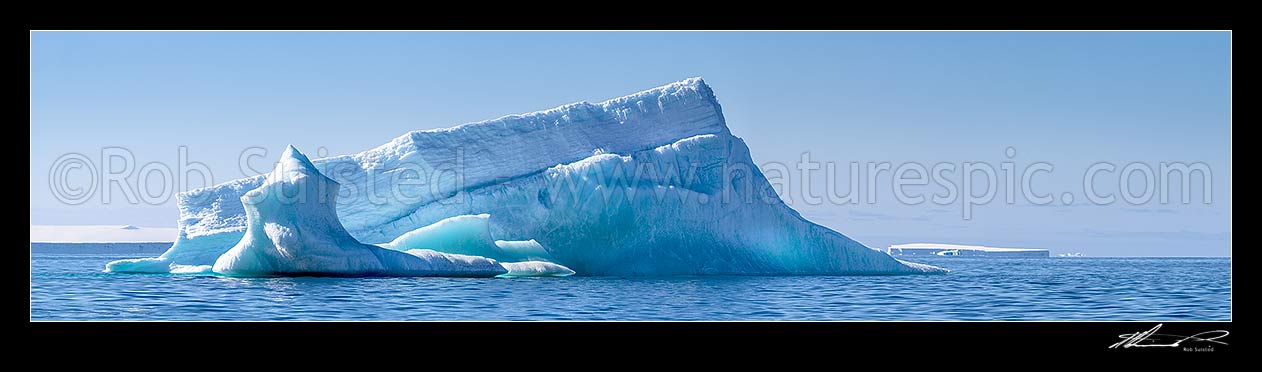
652 183
293 229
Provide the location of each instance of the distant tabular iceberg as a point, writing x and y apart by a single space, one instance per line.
648 184
957 250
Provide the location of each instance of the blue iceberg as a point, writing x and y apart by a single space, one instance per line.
652 183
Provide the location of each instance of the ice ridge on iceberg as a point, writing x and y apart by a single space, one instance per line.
470 235
535 268
652 183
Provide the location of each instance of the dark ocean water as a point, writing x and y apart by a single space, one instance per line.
73 287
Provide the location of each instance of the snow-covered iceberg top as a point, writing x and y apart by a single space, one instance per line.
468 156
648 184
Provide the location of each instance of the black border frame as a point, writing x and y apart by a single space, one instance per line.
834 341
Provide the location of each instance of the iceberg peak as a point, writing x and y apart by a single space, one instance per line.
292 228
292 152
293 162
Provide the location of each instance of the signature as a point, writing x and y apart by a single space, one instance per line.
1151 338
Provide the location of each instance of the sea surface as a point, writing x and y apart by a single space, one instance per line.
73 287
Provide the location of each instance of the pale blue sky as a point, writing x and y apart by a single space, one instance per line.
1067 98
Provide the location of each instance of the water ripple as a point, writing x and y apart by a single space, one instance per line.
73 287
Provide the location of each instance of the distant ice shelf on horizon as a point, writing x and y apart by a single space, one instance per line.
101 234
